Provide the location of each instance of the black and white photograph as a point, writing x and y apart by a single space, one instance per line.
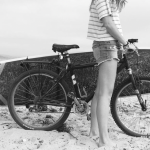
74 75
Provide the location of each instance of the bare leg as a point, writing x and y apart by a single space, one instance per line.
94 131
101 101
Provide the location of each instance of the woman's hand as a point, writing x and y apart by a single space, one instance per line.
127 49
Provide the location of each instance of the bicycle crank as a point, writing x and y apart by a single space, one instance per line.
82 109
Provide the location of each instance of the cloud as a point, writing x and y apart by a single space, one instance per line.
32 26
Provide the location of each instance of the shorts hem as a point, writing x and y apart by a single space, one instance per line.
117 59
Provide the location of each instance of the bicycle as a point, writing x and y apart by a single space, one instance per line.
45 99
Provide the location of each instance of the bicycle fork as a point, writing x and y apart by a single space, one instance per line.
136 90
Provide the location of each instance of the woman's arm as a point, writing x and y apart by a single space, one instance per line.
112 29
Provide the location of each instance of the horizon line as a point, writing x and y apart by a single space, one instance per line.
11 59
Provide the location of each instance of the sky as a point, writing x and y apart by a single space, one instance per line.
31 27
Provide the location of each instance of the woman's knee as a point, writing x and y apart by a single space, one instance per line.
104 93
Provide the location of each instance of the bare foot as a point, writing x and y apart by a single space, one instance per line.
106 147
94 137
109 143
99 143
106 142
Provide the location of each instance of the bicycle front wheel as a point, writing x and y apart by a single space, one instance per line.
126 110
38 102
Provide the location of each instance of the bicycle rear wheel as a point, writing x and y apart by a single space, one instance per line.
37 102
126 110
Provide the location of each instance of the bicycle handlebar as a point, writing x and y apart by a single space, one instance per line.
130 50
132 40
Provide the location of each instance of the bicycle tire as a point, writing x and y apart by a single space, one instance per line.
24 92
128 120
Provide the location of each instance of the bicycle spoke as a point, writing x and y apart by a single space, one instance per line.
22 97
50 90
39 88
25 91
55 94
44 82
129 110
27 85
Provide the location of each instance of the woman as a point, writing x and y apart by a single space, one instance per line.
105 30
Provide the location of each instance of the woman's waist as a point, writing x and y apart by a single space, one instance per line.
111 42
107 44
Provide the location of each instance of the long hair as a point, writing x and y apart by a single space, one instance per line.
91 4
119 4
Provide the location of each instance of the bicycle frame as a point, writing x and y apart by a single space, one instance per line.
70 69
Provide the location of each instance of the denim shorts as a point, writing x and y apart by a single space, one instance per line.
105 50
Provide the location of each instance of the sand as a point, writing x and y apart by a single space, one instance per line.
13 137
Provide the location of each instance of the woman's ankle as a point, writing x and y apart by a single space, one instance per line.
94 133
106 142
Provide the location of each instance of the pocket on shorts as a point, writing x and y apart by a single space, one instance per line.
96 53
103 53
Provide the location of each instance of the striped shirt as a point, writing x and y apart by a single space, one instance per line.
96 29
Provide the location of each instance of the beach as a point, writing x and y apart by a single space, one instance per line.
13 137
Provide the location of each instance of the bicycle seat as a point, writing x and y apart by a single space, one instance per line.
62 48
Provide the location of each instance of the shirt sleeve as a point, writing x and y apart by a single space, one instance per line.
103 8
